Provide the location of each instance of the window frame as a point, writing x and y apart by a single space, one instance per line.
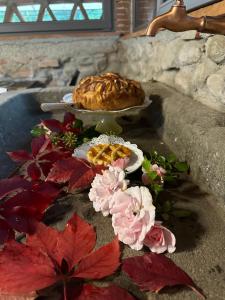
190 5
105 24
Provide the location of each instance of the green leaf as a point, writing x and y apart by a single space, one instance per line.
171 158
170 178
152 175
146 164
181 166
181 213
78 123
38 131
157 188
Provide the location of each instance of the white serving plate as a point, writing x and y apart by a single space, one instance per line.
136 158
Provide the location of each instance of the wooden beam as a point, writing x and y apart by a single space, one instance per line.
211 10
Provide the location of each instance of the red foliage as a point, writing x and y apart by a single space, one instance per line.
152 272
43 156
61 127
113 292
49 256
78 173
24 202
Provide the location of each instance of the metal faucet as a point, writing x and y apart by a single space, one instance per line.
178 20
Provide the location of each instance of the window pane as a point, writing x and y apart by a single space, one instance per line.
47 16
94 10
79 15
62 12
29 12
2 13
53 15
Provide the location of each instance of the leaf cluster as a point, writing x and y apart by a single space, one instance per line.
68 134
169 163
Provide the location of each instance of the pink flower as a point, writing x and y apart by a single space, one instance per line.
104 186
159 170
160 239
133 215
121 163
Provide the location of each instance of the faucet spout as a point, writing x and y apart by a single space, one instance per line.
175 20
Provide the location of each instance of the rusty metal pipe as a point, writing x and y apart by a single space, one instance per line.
178 20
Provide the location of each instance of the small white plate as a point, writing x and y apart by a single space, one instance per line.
136 158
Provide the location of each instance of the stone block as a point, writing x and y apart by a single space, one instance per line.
203 71
85 61
48 63
167 77
168 54
215 48
190 53
216 85
183 80
101 62
86 71
24 72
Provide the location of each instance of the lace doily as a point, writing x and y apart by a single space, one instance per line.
136 158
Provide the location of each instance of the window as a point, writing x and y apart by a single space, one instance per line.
164 5
143 12
39 16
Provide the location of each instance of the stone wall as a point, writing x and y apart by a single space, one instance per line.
54 61
194 67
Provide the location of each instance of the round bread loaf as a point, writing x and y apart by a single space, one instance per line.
108 92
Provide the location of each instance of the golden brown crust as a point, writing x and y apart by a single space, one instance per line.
105 154
108 92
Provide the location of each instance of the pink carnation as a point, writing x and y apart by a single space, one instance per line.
104 186
121 163
160 239
159 170
133 214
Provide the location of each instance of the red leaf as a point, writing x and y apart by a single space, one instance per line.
19 156
40 263
81 179
152 272
30 199
33 171
101 263
39 145
5 297
53 125
113 292
22 219
13 184
63 169
6 232
77 172
68 118
47 188
75 242
24 269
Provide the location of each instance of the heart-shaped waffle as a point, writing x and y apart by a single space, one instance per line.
105 154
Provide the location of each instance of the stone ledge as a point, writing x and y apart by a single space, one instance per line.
194 132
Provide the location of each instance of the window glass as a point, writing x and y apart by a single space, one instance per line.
53 15
2 13
29 13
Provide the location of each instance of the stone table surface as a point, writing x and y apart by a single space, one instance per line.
200 239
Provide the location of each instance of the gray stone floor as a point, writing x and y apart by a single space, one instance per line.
200 239
194 133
